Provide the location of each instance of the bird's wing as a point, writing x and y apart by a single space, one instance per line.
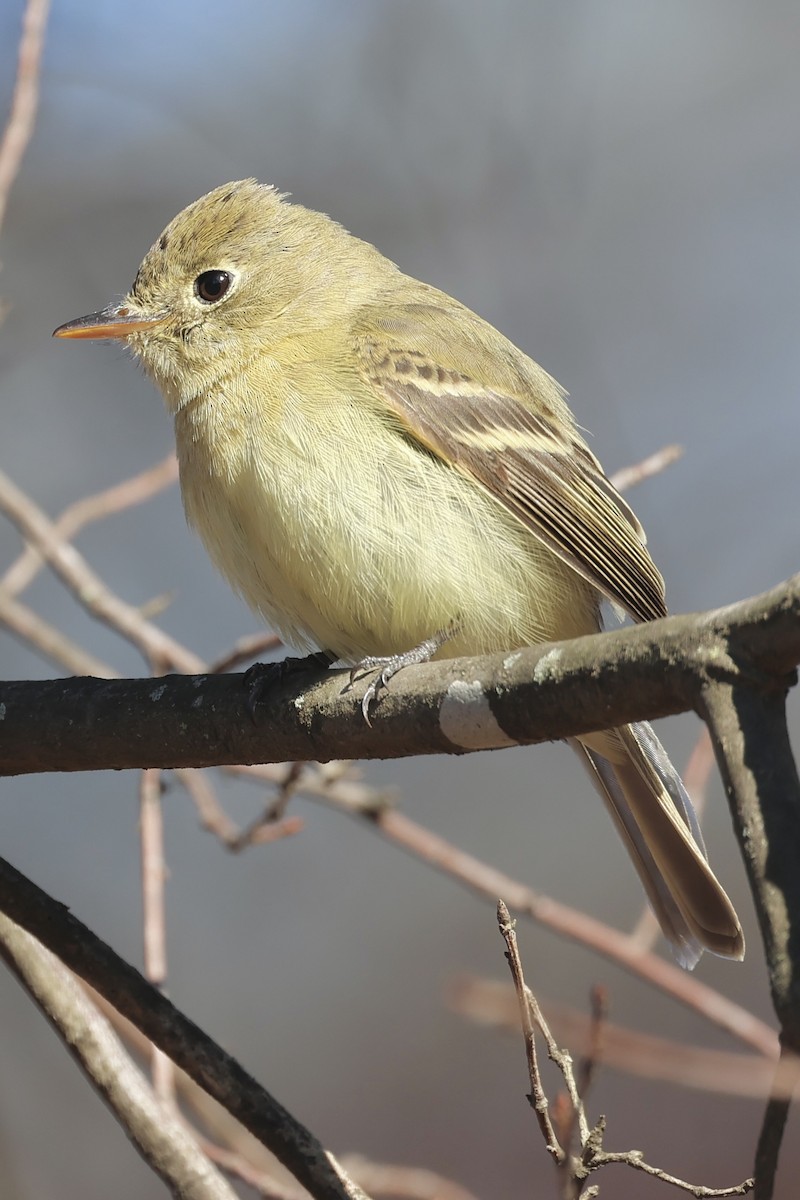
467 395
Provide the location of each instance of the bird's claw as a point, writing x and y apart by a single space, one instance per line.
389 666
380 682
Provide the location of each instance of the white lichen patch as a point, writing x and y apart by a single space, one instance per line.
545 664
467 720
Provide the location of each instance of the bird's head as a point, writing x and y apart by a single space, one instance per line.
233 275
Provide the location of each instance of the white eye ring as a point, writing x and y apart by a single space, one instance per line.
212 286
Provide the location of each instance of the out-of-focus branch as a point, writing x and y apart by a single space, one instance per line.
649 1056
24 102
49 640
246 649
93 593
154 920
571 923
244 1156
654 464
136 490
181 1040
160 1137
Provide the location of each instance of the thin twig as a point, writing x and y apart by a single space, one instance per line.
25 99
573 924
243 651
634 1159
98 507
151 822
49 641
537 1098
728 1073
161 1138
654 464
87 586
597 1026
574 1171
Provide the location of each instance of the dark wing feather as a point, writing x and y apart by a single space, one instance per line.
481 405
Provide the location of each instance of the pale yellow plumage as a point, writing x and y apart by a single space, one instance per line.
369 463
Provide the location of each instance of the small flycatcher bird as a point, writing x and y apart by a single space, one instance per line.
384 477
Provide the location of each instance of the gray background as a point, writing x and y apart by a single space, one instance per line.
615 185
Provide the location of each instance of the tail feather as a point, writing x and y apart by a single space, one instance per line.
655 817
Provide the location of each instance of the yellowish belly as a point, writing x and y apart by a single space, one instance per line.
366 546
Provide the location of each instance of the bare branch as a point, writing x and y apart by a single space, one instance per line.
635 1160
574 1170
646 1055
87 586
534 694
245 650
654 464
161 1138
192 1050
24 102
755 758
136 490
154 921
537 1098
769 1144
49 641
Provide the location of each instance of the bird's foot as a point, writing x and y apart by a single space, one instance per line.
262 677
387 667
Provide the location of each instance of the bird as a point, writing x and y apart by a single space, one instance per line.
384 478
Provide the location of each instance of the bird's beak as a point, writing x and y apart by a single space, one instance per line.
116 321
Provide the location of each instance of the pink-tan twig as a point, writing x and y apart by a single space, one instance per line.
25 100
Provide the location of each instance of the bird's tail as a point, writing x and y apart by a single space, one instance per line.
653 813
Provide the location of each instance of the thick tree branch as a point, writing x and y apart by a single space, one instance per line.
531 695
755 758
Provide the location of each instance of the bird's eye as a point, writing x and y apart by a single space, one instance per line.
212 285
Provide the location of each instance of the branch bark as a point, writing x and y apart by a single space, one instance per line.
184 1042
536 694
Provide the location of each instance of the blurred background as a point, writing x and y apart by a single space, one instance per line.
616 187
